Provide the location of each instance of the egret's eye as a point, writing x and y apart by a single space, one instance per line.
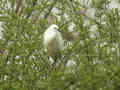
55 28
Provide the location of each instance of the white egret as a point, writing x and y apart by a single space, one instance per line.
54 41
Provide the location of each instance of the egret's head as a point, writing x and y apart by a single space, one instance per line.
54 27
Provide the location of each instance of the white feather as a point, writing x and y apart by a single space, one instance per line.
53 40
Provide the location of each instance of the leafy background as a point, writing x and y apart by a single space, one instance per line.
89 63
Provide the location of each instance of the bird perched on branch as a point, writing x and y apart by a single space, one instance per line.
54 41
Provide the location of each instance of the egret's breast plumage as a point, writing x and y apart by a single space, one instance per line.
53 41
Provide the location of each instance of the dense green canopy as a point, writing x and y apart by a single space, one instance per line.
91 62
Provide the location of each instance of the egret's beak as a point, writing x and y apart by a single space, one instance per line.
59 30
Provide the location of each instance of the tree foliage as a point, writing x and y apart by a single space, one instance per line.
24 63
